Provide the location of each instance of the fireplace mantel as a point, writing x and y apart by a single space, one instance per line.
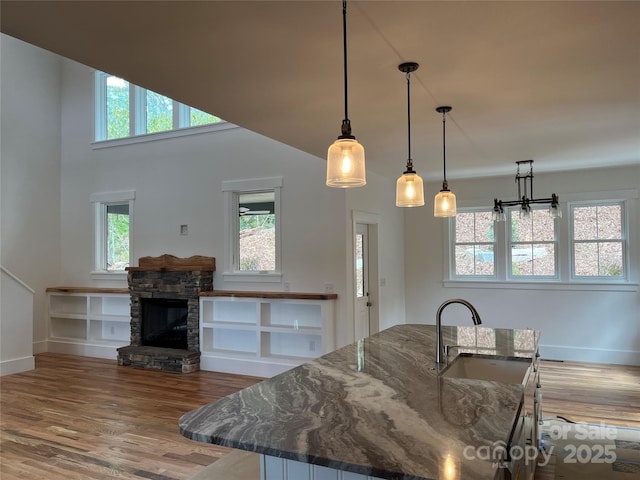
169 263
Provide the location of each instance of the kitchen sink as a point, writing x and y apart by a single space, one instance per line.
475 367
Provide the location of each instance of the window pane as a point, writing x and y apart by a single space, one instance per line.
474 259
610 255
474 227
543 225
198 117
117 107
586 259
609 222
117 236
159 112
484 227
257 221
359 265
465 228
544 259
584 223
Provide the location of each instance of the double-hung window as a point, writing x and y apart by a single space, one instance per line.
474 244
253 229
125 110
598 240
532 244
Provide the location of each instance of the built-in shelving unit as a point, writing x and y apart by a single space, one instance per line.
88 321
264 333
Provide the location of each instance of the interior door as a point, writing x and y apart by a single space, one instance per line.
361 290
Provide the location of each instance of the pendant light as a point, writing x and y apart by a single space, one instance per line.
445 202
409 187
345 159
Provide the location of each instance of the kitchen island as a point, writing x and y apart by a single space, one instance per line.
377 408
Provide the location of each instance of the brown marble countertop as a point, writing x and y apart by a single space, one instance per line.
376 407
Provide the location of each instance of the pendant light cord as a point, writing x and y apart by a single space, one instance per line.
409 161
346 123
444 147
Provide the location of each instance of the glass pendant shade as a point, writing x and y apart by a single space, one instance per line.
444 204
345 164
409 190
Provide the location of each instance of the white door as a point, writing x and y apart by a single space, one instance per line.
362 294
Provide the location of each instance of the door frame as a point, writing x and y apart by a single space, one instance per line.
372 221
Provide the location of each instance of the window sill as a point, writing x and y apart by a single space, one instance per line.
255 277
113 276
568 286
151 137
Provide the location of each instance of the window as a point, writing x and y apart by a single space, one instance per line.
474 244
113 213
598 240
588 248
125 110
253 223
532 244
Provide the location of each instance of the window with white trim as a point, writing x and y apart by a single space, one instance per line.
113 215
598 240
125 110
474 244
253 229
588 248
532 244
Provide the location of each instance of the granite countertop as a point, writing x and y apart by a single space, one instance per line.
376 407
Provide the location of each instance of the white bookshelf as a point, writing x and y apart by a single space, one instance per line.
91 322
263 334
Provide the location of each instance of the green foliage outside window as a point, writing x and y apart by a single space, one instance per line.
117 240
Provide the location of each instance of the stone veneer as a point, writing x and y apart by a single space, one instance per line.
167 277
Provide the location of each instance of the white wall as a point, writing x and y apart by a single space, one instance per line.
178 181
16 332
30 170
591 326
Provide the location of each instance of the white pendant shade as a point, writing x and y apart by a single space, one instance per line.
345 164
409 190
444 204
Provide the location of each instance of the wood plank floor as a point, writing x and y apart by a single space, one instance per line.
86 418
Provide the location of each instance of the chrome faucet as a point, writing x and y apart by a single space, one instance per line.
475 316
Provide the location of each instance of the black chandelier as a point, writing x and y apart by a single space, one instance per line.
525 197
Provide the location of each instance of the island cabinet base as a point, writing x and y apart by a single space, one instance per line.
274 468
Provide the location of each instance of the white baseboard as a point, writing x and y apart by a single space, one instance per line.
17 365
590 355
108 352
240 366
40 347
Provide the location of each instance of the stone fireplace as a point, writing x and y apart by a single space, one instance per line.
165 312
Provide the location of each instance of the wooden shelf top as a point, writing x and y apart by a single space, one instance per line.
86 290
287 295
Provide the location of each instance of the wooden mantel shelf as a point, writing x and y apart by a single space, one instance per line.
287 295
86 290
169 263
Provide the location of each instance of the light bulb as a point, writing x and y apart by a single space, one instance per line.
346 160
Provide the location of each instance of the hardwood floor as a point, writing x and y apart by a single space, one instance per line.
86 418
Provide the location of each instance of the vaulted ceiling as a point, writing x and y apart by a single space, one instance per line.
557 82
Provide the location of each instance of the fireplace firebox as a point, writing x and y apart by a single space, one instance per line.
164 322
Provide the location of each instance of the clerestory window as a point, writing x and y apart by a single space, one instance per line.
124 110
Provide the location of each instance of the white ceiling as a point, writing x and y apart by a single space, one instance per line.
557 82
